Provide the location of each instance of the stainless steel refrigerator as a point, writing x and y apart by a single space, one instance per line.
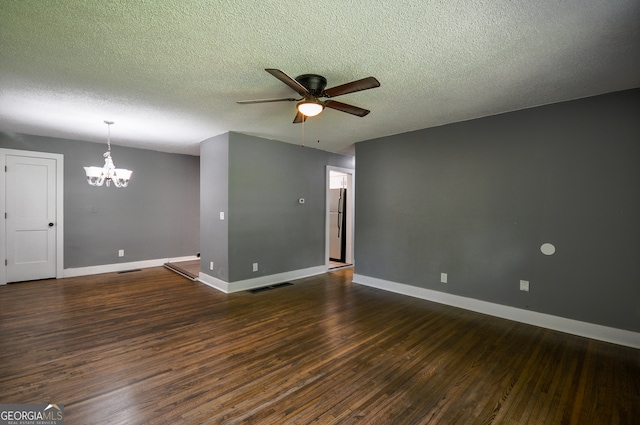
337 224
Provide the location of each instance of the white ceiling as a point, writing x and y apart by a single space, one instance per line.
169 72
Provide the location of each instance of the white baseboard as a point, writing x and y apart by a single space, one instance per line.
570 326
258 282
120 267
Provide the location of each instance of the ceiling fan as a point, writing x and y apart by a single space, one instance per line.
312 89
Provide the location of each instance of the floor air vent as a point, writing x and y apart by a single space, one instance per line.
270 287
130 271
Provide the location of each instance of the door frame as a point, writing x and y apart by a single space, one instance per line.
350 213
59 158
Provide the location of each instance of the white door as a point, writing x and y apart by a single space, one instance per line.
30 218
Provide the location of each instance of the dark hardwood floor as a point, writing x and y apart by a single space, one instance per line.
152 347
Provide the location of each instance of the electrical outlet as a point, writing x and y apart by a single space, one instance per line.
221 215
121 253
255 267
211 265
524 285
443 277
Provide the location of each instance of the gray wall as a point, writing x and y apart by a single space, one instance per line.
477 199
155 217
214 198
266 224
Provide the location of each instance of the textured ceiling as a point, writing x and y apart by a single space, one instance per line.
169 72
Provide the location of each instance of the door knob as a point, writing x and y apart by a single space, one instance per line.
50 224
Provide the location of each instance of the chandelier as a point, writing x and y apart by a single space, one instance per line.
96 176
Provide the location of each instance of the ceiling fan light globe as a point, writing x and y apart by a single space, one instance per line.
309 108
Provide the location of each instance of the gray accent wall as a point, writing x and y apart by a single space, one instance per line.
155 217
264 221
477 199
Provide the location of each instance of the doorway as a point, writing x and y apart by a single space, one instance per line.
31 197
340 217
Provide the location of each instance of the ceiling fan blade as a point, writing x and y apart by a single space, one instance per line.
354 86
302 90
246 102
299 118
349 109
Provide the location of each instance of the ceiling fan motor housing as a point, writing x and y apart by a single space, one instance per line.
314 83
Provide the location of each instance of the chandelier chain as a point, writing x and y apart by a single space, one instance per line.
108 134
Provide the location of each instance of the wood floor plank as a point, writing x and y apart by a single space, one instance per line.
152 347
